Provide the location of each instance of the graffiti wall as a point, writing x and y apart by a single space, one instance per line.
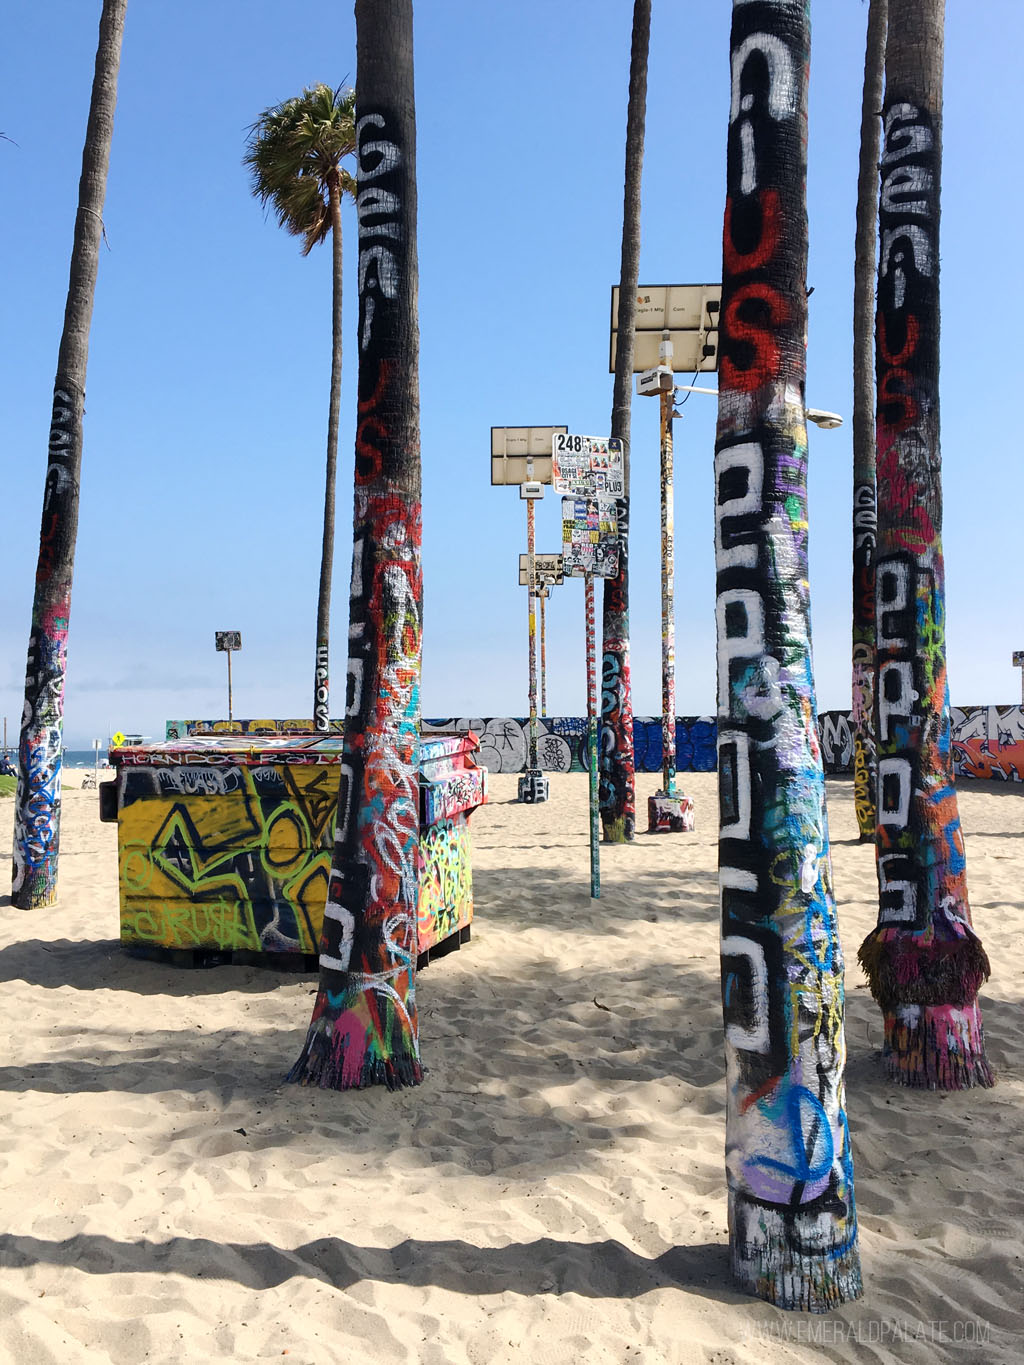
987 741
562 742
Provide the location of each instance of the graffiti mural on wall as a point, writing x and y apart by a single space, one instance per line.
789 1166
987 741
562 746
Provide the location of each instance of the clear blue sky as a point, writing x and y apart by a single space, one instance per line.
210 354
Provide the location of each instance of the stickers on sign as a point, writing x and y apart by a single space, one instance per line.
586 465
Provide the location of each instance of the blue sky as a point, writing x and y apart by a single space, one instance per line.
210 352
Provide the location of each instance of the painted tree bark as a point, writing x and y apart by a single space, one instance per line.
792 1218
924 961
322 681
618 776
364 1027
864 511
37 803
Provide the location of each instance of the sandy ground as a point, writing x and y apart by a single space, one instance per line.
553 1192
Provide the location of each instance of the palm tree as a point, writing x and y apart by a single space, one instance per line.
37 805
789 1169
364 1027
864 515
924 962
294 155
618 797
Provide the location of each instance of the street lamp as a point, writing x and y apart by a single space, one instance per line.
828 421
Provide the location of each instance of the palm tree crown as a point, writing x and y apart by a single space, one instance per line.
294 153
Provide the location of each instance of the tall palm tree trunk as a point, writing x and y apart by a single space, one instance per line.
924 961
864 514
792 1219
364 1027
618 777
321 682
37 805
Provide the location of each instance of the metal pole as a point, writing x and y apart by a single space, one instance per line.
96 761
543 653
531 575
595 820
668 626
230 717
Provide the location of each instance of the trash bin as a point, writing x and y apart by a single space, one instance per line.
225 843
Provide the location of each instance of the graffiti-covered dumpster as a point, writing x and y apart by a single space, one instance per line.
225 843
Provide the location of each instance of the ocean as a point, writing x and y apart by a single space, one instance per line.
83 758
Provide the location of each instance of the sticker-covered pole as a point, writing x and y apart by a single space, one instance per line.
668 611
543 653
595 812
531 551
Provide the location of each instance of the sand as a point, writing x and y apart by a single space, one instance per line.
553 1192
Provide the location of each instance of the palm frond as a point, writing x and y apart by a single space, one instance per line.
293 151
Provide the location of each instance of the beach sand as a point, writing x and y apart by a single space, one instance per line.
553 1192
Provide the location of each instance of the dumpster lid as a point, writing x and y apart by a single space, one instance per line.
258 750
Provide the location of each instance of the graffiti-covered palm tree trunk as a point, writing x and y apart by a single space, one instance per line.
864 529
37 805
924 961
618 776
364 1030
792 1220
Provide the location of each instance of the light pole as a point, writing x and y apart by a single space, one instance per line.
531 491
228 641
682 321
668 810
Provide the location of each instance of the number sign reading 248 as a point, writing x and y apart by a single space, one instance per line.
587 466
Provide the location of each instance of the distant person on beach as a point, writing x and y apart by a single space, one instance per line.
7 767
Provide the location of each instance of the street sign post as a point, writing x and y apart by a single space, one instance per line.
547 575
588 471
590 537
587 466
522 455
547 569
